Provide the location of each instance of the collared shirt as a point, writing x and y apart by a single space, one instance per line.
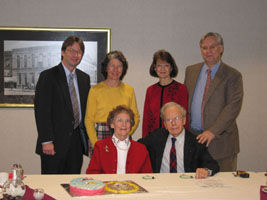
75 81
179 147
196 121
122 151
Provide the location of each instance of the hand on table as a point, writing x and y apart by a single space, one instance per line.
48 149
202 173
206 136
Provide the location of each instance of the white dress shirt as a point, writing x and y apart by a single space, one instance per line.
122 151
179 147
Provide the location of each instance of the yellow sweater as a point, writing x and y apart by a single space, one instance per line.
102 99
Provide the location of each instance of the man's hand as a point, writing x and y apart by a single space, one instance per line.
202 173
206 136
48 149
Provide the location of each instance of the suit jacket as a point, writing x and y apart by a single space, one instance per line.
222 106
53 109
196 155
104 159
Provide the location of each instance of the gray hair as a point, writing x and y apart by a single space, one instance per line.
218 37
209 34
170 104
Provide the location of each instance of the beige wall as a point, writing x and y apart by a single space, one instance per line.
139 28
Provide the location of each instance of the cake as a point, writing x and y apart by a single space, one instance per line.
121 187
86 186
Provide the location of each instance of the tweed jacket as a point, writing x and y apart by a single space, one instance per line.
222 107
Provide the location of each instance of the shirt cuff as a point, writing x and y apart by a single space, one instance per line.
47 142
210 171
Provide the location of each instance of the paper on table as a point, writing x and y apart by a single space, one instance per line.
212 183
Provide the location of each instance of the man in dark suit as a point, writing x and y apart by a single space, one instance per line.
215 97
190 156
59 105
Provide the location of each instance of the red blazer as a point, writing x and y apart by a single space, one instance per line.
104 159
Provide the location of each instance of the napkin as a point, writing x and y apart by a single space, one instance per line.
29 195
263 194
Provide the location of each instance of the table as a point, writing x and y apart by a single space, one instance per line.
162 187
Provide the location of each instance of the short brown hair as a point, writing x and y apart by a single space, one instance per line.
119 109
70 41
166 56
114 54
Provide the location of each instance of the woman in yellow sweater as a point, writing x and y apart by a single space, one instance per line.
107 95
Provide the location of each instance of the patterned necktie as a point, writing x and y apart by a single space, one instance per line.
173 159
74 101
205 95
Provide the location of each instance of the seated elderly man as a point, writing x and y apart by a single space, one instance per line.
174 149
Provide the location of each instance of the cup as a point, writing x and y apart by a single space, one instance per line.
38 194
3 178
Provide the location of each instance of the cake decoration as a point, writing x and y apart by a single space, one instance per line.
121 187
86 186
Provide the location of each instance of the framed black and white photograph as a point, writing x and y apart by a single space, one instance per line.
25 52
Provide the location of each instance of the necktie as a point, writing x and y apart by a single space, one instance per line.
205 95
74 101
173 159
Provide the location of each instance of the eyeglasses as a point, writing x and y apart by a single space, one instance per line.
162 66
176 119
211 47
73 52
115 66
120 120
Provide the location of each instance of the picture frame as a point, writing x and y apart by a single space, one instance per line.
26 51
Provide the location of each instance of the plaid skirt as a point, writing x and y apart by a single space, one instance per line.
102 131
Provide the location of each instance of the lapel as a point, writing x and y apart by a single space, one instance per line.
188 150
162 141
109 147
84 87
111 153
81 93
161 147
218 78
62 79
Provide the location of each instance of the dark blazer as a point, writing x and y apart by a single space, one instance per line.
222 107
53 109
196 155
104 159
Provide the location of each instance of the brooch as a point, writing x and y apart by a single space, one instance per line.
106 148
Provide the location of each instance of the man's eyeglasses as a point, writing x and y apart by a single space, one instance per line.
211 47
73 51
176 119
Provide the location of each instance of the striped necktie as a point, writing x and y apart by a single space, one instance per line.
173 158
205 96
74 101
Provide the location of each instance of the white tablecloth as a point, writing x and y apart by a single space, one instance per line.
163 187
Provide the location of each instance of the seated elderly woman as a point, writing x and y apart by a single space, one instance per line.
119 154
